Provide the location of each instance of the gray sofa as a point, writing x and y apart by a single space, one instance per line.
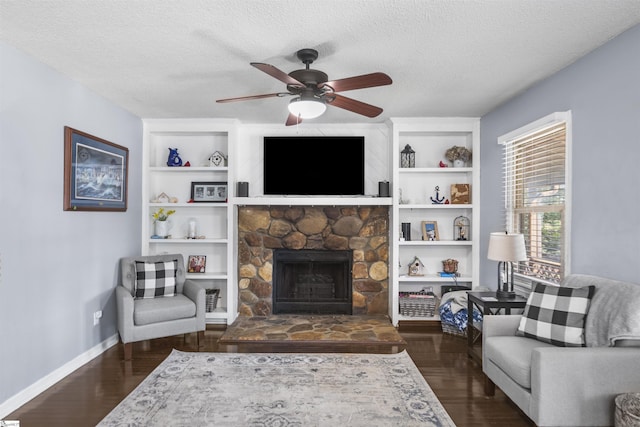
569 386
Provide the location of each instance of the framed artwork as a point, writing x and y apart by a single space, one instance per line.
209 191
460 194
95 173
196 264
430 231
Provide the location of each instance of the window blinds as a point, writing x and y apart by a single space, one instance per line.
534 190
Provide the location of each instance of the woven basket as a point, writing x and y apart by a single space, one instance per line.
211 299
420 304
453 330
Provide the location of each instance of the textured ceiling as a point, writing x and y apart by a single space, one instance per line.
161 58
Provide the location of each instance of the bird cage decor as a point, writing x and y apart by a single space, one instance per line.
407 157
416 267
461 228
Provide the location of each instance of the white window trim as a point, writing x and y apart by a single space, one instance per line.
524 283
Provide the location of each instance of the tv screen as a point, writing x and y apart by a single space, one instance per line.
314 165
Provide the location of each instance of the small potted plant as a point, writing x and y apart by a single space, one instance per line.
160 217
458 155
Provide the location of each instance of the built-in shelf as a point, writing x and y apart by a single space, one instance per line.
433 278
435 170
212 276
190 241
436 206
183 169
435 243
190 205
413 189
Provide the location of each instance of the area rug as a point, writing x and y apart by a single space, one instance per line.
282 390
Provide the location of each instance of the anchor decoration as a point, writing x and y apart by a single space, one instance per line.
438 200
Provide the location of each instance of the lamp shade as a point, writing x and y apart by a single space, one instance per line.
307 108
507 247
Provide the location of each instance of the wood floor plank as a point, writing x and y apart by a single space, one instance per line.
87 395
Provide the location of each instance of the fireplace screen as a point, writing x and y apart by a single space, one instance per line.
312 282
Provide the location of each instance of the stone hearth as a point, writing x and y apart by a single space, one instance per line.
363 229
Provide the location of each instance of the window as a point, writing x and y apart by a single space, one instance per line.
536 194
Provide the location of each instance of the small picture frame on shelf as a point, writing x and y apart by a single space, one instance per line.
203 192
430 231
196 264
460 194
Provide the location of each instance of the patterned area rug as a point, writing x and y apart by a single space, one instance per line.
283 390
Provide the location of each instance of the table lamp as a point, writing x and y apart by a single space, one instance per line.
506 249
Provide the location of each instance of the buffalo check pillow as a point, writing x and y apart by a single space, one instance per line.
556 315
156 279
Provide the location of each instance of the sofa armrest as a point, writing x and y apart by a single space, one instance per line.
500 325
124 304
566 382
196 293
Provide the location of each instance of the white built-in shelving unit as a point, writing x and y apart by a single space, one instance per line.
412 189
197 139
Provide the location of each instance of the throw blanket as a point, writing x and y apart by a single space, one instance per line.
459 299
614 313
453 310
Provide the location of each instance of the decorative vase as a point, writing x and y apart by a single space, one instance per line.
458 163
162 228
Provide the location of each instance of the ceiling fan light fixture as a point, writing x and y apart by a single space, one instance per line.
307 108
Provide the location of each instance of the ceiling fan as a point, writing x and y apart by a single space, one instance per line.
313 91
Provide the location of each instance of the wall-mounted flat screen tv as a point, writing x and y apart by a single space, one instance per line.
314 165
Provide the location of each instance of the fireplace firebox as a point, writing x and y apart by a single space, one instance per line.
308 281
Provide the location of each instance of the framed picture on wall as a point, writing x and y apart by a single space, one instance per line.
209 192
95 173
196 264
430 231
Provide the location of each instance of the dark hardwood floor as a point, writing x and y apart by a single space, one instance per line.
91 392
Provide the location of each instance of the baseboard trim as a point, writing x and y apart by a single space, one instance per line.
22 397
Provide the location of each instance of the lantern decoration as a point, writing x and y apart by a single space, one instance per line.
461 228
407 157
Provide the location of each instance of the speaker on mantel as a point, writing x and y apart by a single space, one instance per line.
243 189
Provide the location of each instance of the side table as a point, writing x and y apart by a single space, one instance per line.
488 304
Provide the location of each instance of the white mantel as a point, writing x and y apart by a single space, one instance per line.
311 201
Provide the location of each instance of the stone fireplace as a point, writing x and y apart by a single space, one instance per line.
308 281
360 231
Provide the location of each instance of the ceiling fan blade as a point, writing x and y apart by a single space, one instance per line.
293 120
353 105
246 98
358 82
278 74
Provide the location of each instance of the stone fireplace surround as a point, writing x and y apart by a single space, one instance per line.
363 229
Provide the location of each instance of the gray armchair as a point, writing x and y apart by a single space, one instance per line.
154 315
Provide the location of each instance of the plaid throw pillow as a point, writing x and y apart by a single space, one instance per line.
556 315
156 279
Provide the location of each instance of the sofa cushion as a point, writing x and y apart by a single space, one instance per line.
556 315
156 279
154 310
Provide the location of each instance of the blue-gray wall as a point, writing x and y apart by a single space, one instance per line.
56 267
602 90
